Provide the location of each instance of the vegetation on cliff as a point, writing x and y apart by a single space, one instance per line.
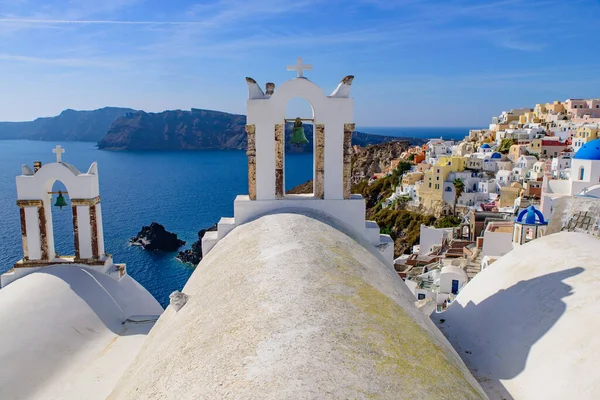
401 224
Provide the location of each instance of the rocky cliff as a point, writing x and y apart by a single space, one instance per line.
69 125
176 130
376 158
403 225
367 161
196 130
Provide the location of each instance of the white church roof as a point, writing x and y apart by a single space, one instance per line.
525 325
287 307
63 336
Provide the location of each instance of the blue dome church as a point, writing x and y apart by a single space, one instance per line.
529 225
584 178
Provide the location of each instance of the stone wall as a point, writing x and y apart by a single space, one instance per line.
576 214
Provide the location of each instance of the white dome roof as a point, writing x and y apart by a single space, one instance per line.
287 307
63 334
525 325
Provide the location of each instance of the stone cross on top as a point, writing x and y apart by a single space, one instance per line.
299 67
58 151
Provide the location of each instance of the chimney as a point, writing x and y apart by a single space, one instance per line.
270 88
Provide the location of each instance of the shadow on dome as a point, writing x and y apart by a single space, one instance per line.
111 301
502 328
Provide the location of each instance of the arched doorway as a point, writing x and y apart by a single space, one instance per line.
299 161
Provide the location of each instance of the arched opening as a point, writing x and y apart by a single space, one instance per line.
61 234
581 173
299 160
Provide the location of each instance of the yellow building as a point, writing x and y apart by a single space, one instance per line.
412 178
555 107
516 151
529 118
539 110
431 191
508 194
587 132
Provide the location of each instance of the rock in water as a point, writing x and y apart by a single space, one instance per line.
156 237
194 255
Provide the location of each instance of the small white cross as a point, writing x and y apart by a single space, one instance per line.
299 67
58 151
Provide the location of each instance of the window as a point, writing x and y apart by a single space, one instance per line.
581 173
420 296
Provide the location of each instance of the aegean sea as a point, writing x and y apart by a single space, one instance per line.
184 191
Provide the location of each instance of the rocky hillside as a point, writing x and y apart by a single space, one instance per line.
376 158
401 224
69 125
196 130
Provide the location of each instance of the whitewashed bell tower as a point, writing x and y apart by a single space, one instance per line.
34 199
333 121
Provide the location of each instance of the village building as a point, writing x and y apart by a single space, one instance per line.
561 166
584 178
585 133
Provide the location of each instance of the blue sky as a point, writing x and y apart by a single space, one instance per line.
416 62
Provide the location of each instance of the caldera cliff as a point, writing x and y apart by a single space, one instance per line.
197 130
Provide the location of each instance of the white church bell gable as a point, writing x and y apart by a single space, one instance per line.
35 202
333 125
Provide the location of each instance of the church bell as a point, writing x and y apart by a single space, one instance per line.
298 137
60 201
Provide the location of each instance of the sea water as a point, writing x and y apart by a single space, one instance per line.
183 190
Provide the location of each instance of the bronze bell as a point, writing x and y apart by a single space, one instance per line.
60 200
298 137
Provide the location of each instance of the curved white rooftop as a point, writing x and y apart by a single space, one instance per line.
526 325
288 307
63 336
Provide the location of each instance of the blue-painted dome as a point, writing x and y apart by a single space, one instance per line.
485 146
496 156
532 216
589 151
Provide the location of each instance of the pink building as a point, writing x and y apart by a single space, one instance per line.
580 108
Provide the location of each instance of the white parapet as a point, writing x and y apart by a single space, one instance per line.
104 266
347 214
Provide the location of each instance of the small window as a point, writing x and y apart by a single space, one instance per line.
420 296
